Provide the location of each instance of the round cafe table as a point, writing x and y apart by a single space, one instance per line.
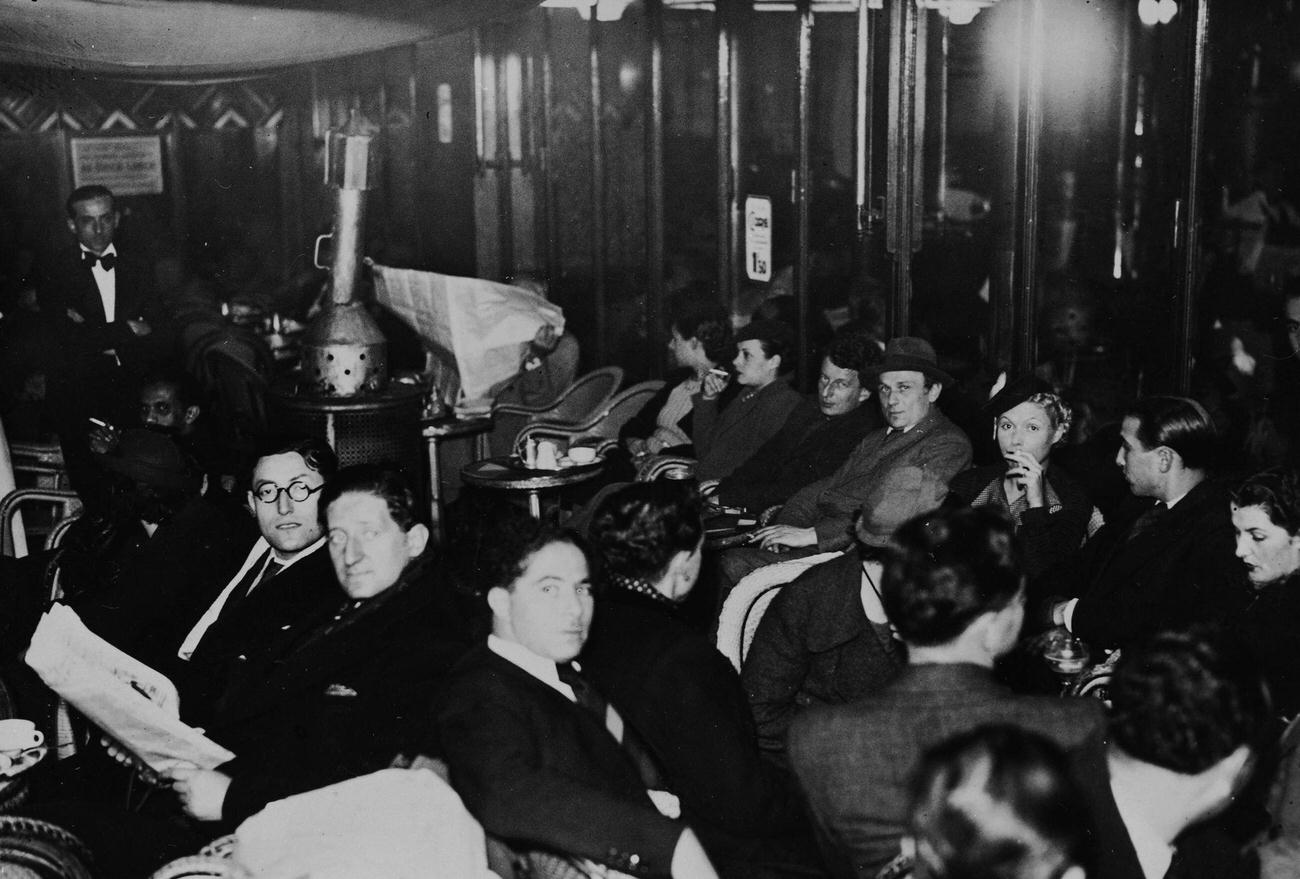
507 474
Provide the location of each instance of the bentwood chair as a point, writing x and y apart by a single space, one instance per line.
66 504
601 429
29 847
576 403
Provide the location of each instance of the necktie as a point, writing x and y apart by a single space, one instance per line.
1147 519
107 260
589 698
583 692
259 573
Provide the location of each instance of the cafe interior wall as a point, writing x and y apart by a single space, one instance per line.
243 197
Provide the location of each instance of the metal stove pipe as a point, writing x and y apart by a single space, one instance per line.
343 351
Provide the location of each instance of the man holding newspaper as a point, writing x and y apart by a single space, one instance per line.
326 700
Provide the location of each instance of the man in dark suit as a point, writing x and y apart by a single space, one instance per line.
814 441
817 518
529 741
955 593
332 699
285 579
1174 564
103 318
340 697
1188 710
676 690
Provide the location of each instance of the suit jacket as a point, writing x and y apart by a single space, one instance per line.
341 701
726 439
1047 536
1180 570
541 772
278 608
935 445
855 761
162 588
809 446
815 646
682 697
1202 851
65 282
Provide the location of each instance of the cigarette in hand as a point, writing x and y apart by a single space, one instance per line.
720 373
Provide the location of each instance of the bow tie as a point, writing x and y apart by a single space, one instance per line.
105 259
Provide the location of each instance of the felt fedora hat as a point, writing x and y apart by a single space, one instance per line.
914 354
152 458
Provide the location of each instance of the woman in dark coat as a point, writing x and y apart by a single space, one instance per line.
1266 521
701 340
1050 510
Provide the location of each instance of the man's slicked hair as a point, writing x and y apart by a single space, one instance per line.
855 350
949 567
87 193
387 483
316 452
1186 700
639 529
1180 423
188 392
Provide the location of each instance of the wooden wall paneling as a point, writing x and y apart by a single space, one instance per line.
445 160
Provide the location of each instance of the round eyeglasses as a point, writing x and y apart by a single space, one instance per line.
269 493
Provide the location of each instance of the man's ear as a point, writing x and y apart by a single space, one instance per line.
498 600
864 394
191 414
678 565
72 226
1166 455
417 539
934 391
252 505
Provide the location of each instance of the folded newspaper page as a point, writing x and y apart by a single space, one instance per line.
131 702
482 323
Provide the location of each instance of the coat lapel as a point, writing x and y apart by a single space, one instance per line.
317 662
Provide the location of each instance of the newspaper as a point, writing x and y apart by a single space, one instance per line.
482 323
131 702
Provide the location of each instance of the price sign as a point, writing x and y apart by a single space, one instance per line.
126 165
758 238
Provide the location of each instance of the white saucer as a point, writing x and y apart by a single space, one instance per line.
26 760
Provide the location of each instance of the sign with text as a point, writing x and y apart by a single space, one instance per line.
126 165
758 238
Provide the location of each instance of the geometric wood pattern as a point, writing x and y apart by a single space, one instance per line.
32 101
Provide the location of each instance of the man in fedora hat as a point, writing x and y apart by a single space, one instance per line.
817 518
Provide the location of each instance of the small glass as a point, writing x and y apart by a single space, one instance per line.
1065 653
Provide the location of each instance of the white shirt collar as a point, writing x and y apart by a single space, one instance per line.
260 549
538 666
869 594
1154 854
1169 505
112 248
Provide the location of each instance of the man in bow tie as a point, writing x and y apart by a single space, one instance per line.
102 317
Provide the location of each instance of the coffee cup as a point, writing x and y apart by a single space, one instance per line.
17 736
582 454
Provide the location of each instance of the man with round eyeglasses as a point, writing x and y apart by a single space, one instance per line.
284 579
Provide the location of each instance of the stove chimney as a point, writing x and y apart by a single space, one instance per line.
343 351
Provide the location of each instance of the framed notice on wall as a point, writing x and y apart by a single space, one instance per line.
128 165
758 238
